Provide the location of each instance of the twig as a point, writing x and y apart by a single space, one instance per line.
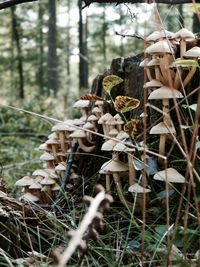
10 3
130 35
67 172
77 237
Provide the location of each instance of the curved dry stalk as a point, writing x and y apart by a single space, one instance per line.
77 237
120 191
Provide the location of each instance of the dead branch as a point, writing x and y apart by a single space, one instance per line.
10 3
92 220
169 2
130 35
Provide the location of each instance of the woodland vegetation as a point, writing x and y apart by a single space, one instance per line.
82 63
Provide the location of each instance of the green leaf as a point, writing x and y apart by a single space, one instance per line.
110 81
193 8
188 62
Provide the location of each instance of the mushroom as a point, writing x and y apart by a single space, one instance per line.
184 36
144 64
93 119
193 53
54 146
25 182
169 175
50 160
35 189
61 168
153 84
29 197
80 135
97 112
162 130
83 105
154 63
163 49
115 167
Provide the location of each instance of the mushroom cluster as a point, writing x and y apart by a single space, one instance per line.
168 79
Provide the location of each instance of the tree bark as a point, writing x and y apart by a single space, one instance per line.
16 37
52 79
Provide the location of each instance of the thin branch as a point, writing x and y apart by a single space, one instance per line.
130 35
10 3
169 2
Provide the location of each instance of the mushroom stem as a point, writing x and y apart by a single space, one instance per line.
62 141
165 108
158 74
182 48
162 147
120 191
108 188
84 113
149 74
132 171
84 147
189 76
177 81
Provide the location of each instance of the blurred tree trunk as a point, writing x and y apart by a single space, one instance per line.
52 79
121 49
16 38
104 28
196 23
68 54
40 74
83 60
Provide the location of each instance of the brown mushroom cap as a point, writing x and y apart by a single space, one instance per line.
170 175
112 166
165 93
136 188
161 128
47 156
160 48
152 84
25 181
29 197
78 134
185 35
194 52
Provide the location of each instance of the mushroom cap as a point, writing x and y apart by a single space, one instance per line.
63 126
161 128
52 142
165 93
44 147
108 145
119 147
153 83
117 116
154 62
113 166
48 181
53 136
74 175
160 48
113 132
25 181
153 37
122 135
92 118
78 134
55 187
29 197
185 35
47 156
106 117
96 110
42 173
52 173
136 188
111 121
88 125
193 52
144 63
81 104
35 185
78 122
60 167
143 114
99 103
171 175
